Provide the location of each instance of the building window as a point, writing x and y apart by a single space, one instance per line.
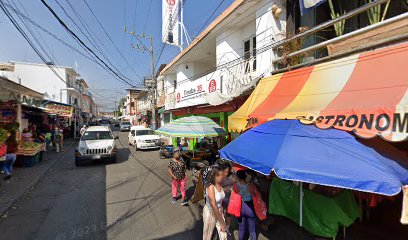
247 55
254 53
175 85
250 51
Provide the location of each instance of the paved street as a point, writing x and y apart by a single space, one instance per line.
127 200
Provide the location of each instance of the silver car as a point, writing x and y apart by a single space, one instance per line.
125 126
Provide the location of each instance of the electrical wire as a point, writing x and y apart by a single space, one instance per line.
111 40
62 23
212 14
28 40
90 39
147 16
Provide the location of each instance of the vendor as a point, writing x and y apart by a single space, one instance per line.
214 153
9 150
27 136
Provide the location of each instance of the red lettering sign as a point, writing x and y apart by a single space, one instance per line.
171 2
212 86
178 97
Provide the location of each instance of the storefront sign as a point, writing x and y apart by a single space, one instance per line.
390 126
192 93
60 110
170 28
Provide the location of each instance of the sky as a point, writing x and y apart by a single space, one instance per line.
140 16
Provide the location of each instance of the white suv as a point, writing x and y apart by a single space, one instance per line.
96 143
143 138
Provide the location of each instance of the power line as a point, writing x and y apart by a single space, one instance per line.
110 39
147 16
32 45
134 16
33 36
62 23
90 38
212 14
53 35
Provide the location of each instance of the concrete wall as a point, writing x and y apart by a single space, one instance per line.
230 43
41 78
191 70
269 30
229 47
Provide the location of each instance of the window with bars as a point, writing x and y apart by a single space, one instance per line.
250 51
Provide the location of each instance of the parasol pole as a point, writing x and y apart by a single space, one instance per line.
301 205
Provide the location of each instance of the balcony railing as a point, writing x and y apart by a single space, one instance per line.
384 32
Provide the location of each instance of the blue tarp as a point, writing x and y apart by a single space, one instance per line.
306 153
307 5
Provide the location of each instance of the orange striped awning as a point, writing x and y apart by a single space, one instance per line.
366 93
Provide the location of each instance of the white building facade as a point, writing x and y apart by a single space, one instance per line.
228 57
41 78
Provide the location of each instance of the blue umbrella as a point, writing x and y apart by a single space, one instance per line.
305 153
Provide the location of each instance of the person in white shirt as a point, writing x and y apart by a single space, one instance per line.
83 129
213 213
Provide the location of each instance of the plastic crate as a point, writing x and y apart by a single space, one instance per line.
26 161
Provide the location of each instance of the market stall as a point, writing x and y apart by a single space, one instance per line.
306 154
194 127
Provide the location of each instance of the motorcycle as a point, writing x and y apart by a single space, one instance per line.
166 151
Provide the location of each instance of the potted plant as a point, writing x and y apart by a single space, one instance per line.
373 36
339 26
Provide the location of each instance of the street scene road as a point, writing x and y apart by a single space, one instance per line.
186 119
127 200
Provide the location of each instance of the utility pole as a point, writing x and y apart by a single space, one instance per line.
154 84
114 110
142 47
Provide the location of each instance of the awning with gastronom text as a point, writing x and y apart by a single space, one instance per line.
366 93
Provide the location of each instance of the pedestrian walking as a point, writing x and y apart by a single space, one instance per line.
247 219
82 131
213 213
57 140
177 170
227 185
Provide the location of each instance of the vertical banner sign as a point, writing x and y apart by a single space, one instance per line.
170 28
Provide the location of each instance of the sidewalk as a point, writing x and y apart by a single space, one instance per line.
24 179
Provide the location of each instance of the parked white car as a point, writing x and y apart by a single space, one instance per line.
143 138
96 143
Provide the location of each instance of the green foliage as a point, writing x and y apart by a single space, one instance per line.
3 135
377 14
29 145
12 127
121 103
339 26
